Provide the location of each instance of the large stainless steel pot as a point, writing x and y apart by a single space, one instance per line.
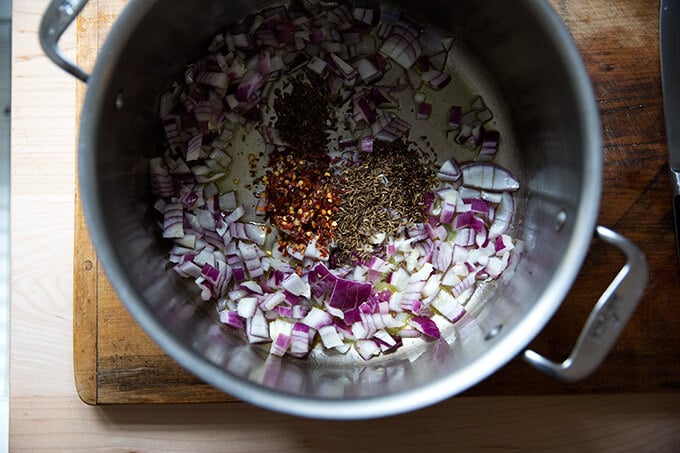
534 70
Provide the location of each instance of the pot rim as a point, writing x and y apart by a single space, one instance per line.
499 353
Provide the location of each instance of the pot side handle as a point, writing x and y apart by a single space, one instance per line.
608 318
56 19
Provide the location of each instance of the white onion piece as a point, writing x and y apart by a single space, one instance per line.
347 71
329 337
246 307
366 70
235 214
450 171
367 348
271 301
448 306
487 176
295 285
503 217
162 184
317 318
173 221
317 65
257 328
215 79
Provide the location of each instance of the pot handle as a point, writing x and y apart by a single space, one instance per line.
57 18
608 318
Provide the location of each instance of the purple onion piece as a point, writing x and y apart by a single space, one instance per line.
426 326
424 111
489 146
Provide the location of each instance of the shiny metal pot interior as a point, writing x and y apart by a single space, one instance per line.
533 69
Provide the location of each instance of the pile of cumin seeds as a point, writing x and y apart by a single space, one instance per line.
385 193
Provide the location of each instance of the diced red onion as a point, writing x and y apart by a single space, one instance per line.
435 233
447 213
426 326
402 46
438 61
162 184
280 345
250 84
299 345
503 217
317 318
317 65
489 146
436 79
389 127
251 286
496 266
235 215
423 111
381 97
173 221
295 285
476 137
188 269
248 231
448 306
417 232
487 176
231 318
321 280
482 236
215 79
242 40
281 334
477 104
443 256
194 148
465 237
369 16
464 285
347 294
347 71
272 300
228 201
363 109
450 172
329 337
367 144
367 348
366 70
247 307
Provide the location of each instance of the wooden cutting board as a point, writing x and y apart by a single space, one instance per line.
115 362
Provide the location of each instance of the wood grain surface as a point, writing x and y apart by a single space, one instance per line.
115 362
46 414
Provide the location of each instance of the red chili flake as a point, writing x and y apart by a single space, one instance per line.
300 191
